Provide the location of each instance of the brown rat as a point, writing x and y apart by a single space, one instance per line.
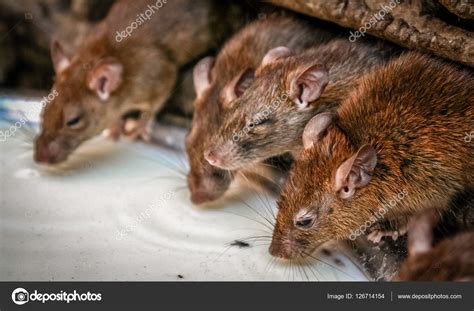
129 61
218 81
451 259
395 146
289 89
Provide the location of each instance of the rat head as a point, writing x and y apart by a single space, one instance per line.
206 182
268 119
78 110
326 185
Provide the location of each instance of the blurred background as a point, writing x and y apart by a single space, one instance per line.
441 27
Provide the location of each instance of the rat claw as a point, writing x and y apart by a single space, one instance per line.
395 235
377 235
138 129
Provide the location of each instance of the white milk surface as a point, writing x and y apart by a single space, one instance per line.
121 211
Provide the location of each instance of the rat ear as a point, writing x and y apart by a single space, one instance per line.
276 54
244 82
355 172
105 78
202 74
420 231
315 128
309 85
238 85
60 60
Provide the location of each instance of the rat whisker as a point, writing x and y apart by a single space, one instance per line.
222 253
183 161
253 229
244 177
180 188
260 199
303 272
255 211
255 220
273 167
270 265
167 163
270 208
313 271
326 263
257 239
259 214
239 242
177 177
292 264
267 206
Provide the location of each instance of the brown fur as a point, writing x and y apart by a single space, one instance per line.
414 112
452 259
283 126
244 51
150 57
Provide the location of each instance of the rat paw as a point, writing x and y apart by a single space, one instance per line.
138 129
377 234
113 132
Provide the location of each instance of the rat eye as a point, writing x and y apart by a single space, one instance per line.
305 221
74 122
261 121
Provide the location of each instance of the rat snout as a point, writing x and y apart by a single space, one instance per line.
206 188
202 196
49 153
283 248
222 156
280 250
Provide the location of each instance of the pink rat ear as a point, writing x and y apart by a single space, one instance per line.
308 85
315 129
105 78
355 172
202 75
276 54
238 85
60 60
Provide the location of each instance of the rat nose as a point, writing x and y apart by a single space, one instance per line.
42 154
200 197
212 157
47 153
274 249
278 250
